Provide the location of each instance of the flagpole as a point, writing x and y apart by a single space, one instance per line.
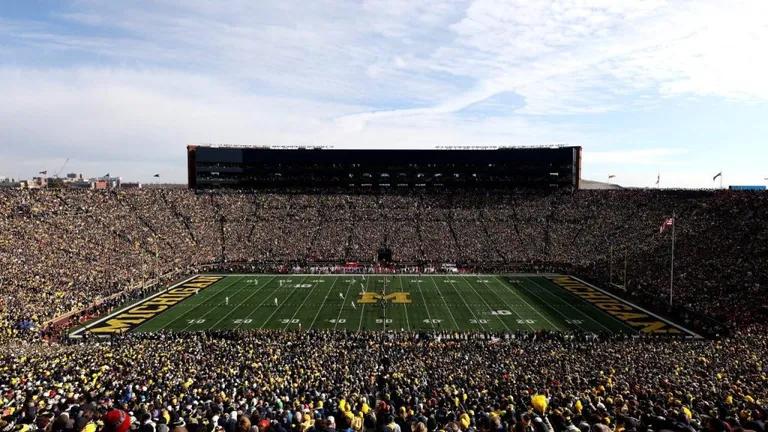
625 269
672 261
610 267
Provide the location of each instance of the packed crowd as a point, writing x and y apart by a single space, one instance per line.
64 250
316 381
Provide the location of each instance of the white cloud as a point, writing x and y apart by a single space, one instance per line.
139 80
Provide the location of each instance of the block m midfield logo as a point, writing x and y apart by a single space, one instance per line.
373 297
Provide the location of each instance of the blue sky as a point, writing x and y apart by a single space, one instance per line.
671 87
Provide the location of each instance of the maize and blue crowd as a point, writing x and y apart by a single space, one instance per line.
65 251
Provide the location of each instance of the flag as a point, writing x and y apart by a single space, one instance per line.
106 175
156 175
44 172
717 175
668 222
611 176
658 179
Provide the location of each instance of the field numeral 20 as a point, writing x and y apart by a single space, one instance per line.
243 321
196 321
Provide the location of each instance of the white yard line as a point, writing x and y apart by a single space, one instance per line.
260 304
511 308
346 296
323 304
236 280
453 318
239 304
527 304
306 297
571 307
405 305
424 299
490 309
280 305
362 308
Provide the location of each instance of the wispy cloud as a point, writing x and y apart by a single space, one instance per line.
120 80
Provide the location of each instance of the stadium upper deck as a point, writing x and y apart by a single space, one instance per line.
274 168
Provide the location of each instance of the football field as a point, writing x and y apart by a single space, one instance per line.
497 303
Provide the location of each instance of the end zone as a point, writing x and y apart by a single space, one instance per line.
634 316
132 316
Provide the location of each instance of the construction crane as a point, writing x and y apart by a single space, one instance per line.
62 168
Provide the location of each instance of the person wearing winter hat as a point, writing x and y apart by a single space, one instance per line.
116 420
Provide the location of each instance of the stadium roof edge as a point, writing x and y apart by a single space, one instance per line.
298 147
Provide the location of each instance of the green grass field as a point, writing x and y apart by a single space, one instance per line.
502 303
